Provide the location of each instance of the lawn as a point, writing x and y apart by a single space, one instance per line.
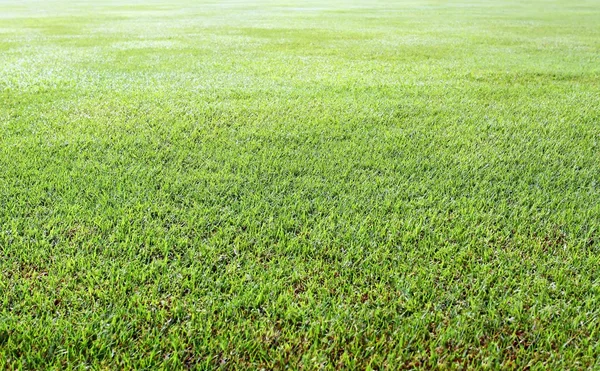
306 184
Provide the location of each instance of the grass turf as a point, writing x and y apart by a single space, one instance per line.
341 184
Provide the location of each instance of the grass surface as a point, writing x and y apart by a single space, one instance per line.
339 184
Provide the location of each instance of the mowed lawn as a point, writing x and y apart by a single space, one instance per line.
304 184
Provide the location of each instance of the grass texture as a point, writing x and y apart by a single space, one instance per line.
304 184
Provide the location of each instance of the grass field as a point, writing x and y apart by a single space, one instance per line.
312 184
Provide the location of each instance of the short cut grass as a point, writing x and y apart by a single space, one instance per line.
312 184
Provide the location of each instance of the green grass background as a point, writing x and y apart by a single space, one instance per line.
318 184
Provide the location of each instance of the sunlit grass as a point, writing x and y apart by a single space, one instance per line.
336 184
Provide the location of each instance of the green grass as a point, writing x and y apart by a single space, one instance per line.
317 184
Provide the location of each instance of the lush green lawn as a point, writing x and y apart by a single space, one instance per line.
318 184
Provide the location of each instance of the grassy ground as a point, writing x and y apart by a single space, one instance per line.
322 184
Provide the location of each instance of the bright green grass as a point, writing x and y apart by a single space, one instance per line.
319 184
